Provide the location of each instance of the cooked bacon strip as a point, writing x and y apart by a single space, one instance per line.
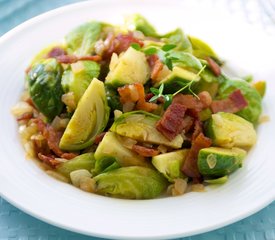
156 69
189 101
68 155
197 129
25 116
188 122
171 123
145 151
234 103
190 167
118 44
48 159
205 99
215 68
67 59
134 93
152 59
95 58
55 52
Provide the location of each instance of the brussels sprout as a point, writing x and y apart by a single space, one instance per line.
140 125
218 162
78 78
82 39
131 182
169 164
178 38
83 161
253 110
131 67
113 98
45 88
89 119
220 180
139 23
229 130
112 149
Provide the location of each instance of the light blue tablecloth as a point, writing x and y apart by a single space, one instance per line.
14 224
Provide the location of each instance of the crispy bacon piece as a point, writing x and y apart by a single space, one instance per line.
135 93
197 129
55 52
189 101
48 159
95 58
156 69
25 116
152 59
205 99
215 68
145 151
234 103
188 122
190 167
67 59
119 43
172 123
68 155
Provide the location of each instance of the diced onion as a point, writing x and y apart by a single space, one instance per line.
20 108
128 107
69 100
117 113
197 187
179 187
77 175
162 148
87 184
128 142
60 123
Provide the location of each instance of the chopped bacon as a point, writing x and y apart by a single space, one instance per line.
189 101
25 116
134 93
205 99
55 52
30 102
190 167
51 135
234 103
197 129
188 122
119 43
156 69
148 96
215 68
152 59
95 58
145 151
171 123
48 159
67 59
68 155
99 137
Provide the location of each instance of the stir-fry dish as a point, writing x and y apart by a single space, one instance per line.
126 112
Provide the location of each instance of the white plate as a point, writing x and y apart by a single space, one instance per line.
23 184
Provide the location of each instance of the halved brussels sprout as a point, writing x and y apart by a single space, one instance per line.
82 39
140 125
229 130
83 161
130 67
131 182
253 111
79 76
111 149
169 164
89 119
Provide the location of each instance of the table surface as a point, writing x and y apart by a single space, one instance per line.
15 224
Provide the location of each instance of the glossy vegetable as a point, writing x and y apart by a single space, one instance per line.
131 67
131 182
113 98
169 164
88 120
82 39
83 161
140 125
220 180
253 110
229 130
78 77
218 162
44 80
111 149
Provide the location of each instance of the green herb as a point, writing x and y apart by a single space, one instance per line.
136 46
150 51
158 92
168 47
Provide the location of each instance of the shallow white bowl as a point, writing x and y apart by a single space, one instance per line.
26 186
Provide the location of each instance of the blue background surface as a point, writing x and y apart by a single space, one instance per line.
14 224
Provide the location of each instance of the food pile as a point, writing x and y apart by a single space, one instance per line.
124 111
